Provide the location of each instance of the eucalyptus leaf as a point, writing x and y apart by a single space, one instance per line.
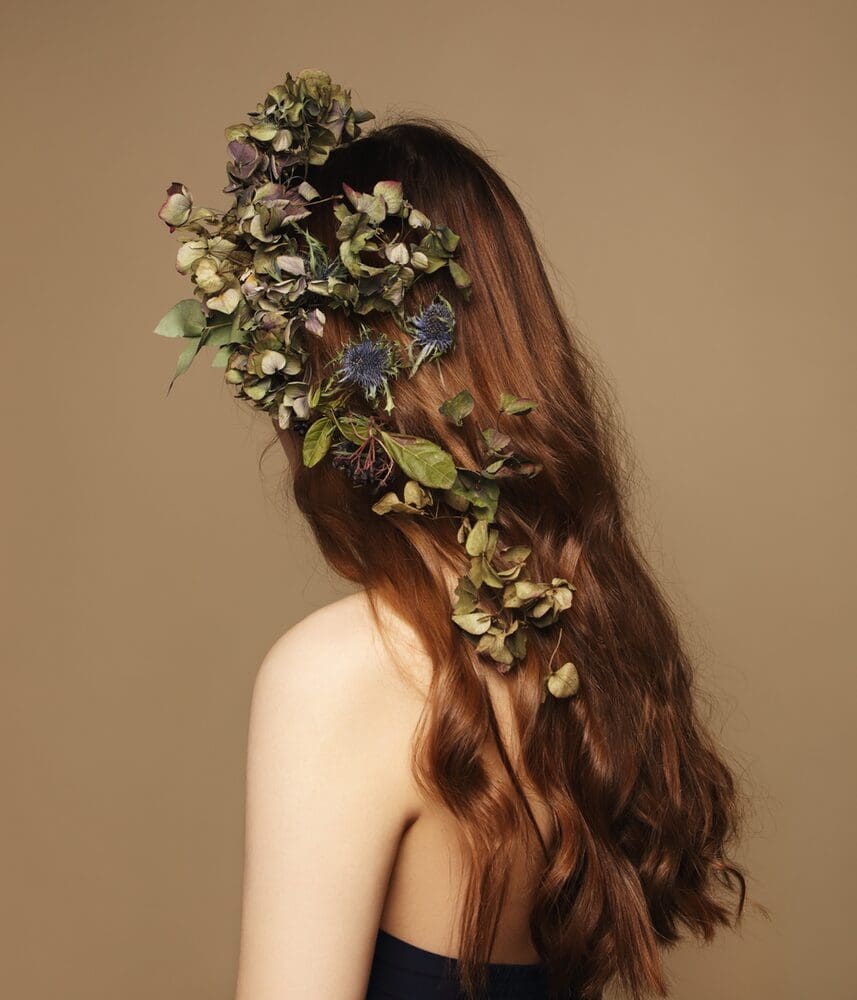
221 358
185 359
185 319
218 336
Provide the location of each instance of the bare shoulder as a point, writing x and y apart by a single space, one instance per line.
331 681
330 794
341 650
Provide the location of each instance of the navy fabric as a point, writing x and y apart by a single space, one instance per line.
402 971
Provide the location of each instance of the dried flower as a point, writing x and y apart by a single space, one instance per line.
432 331
369 363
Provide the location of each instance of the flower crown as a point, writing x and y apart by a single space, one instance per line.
263 285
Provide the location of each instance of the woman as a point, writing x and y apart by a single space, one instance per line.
457 784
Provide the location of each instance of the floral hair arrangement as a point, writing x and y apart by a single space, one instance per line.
263 285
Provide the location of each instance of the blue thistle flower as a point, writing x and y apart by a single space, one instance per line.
432 331
368 364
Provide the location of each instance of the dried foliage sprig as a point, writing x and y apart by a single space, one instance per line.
264 285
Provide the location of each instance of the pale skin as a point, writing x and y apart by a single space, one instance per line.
339 839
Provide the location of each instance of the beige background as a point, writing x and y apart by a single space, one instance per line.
690 169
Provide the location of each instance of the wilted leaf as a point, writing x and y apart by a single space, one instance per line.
416 499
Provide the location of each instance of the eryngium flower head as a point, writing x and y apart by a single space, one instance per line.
432 331
368 364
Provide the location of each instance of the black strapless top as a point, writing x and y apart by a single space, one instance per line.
402 971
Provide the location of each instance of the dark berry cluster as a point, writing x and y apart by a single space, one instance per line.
300 426
362 471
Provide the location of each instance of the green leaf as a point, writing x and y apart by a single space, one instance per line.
476 622
185 359
495 440
459 276
466 596
519 593
354 428
456 500
495 645
515 405
457 408
185 319
448 239
317 441
221 358
487 572
481 494
217 336
477 539
420 459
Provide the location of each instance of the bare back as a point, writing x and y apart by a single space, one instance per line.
423 898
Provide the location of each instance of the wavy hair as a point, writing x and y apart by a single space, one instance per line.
644 807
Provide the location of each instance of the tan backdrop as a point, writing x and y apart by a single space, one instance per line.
689 168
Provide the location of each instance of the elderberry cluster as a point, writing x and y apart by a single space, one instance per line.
360 471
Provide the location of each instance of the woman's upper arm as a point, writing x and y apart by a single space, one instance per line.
328 798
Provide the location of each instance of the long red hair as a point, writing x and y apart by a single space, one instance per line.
644 806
